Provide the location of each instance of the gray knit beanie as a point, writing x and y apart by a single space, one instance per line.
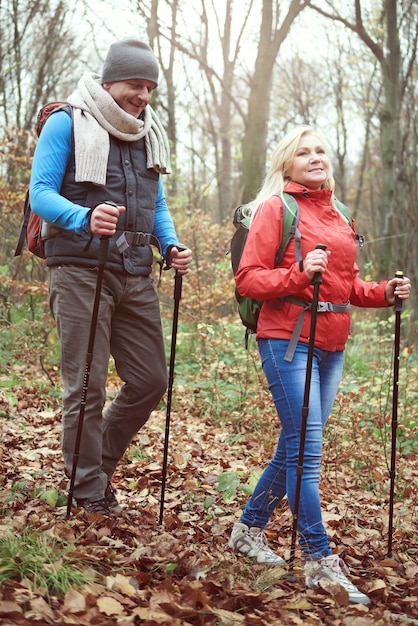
130 59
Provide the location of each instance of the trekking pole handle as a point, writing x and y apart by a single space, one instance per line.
104 240
398 301
317 279
180 247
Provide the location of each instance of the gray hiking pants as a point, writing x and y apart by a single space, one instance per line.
128 328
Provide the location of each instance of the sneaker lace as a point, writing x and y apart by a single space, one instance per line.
339 569
110 492
98 506
259 537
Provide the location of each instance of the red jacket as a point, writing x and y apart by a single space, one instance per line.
257 278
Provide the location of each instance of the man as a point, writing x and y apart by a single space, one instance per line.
97 172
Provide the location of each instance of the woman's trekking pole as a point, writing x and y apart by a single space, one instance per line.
178 283
104 245
316 282
398 309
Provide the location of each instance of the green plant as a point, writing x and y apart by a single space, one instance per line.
230 483
137 452
362 414
212 362
42 562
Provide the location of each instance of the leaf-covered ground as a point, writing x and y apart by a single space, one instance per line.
182 572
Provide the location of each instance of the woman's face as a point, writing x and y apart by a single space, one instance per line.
310 165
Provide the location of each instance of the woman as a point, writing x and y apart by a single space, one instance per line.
301 166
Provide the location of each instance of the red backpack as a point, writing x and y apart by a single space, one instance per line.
31 227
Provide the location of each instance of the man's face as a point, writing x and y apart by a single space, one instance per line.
131 95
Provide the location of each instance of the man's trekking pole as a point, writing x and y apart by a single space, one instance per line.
316 281
104 245
398 309
178 283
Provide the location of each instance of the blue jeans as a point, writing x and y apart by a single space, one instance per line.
287 385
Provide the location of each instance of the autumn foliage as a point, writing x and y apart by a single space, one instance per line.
223 429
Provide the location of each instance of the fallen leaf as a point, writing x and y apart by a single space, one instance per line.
377 588
122 584
74 602
298 605
389 563
11 609
228 618
336 591
150 615
40 609
109 606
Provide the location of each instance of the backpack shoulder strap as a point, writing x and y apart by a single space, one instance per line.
344 211
23 226
47 110
241 222
290 227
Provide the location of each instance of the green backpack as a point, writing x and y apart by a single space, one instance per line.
249 308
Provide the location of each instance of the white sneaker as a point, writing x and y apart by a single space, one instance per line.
250 541
333 568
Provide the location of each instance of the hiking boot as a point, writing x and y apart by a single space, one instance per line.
98 507
333 568
111 499
249 540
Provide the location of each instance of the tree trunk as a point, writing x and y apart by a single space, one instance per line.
254 142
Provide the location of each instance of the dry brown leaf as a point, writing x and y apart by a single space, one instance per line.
11 609
300 604
228 618
122 584
148 614
185 565
333 589
40 610
389 563
411 571
179 459
377 589
359 609
376 586
74 602
109 606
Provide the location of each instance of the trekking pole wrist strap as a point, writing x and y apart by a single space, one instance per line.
167 256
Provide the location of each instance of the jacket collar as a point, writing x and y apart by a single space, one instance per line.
300 190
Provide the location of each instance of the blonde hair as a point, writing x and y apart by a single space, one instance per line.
282 158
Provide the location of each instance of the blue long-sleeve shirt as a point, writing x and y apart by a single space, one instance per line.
52 154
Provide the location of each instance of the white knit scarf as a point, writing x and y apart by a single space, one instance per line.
96 115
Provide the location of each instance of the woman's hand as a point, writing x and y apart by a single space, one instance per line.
399 287
315 261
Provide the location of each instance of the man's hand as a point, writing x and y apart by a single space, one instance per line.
104 218
181 259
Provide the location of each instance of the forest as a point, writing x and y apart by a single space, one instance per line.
235 76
